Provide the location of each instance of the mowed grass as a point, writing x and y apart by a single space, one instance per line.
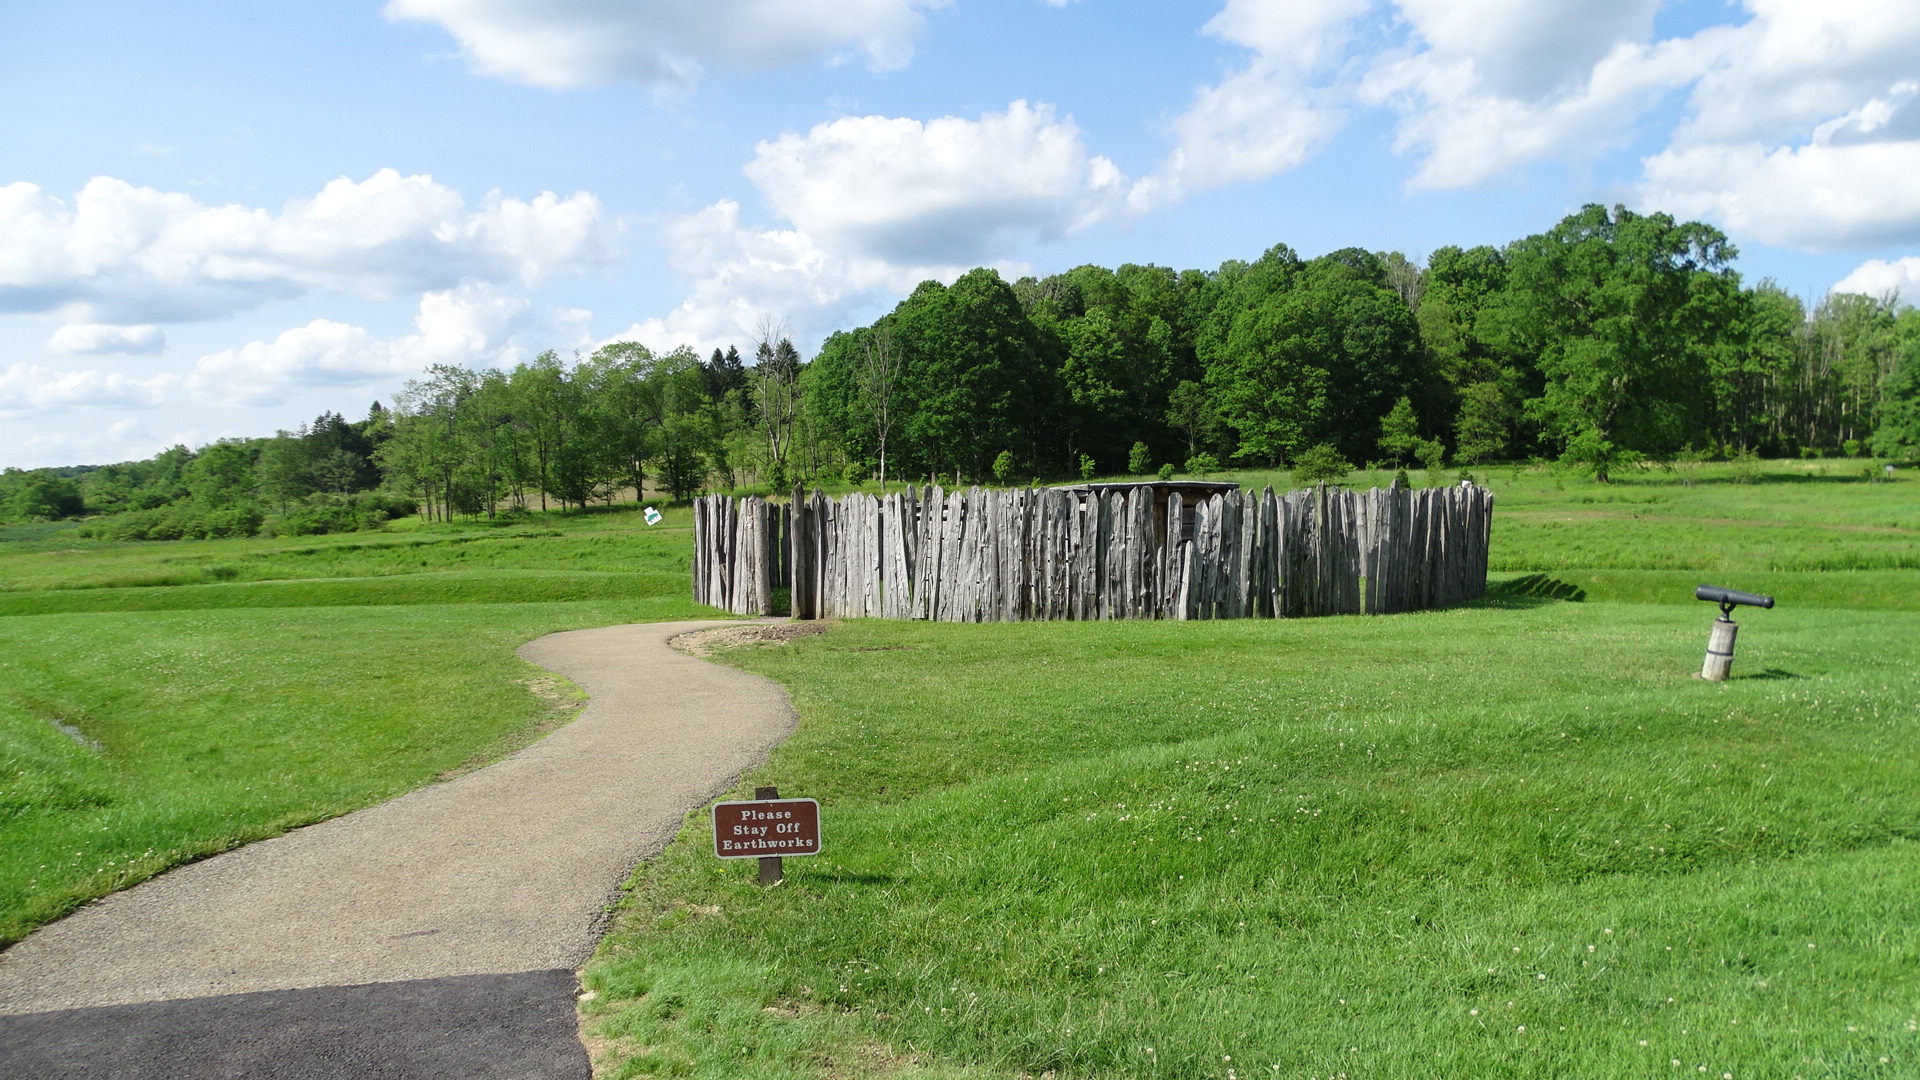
143 726
56 559
1514 839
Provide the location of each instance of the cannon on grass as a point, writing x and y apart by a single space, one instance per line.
1719 660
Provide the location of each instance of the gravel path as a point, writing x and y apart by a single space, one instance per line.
504 872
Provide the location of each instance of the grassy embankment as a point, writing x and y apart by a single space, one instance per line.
1514 839
161 702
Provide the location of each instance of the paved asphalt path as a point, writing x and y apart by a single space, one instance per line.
435 935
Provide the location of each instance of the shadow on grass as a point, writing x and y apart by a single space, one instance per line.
1771 673
1539 587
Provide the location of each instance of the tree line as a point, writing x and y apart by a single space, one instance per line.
1612 337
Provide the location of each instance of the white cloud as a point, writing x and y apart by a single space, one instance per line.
664 43
1795 64
1524 49
126 254
1800 126
943 190
107 338
1818 197
873 206
1850 185
123 440
739 276
1502 83
1267 117
471 326
31 388
1878 277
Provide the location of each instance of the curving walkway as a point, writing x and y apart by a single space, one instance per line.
432 935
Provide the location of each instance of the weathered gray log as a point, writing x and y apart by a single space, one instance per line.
985 555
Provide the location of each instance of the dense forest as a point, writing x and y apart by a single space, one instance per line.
1613 337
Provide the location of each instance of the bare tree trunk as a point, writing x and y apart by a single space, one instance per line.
880 371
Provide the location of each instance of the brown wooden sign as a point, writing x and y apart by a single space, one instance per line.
766 828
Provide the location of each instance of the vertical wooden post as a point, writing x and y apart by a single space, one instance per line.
1719 662
770 868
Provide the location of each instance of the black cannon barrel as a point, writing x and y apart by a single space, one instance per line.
1728 597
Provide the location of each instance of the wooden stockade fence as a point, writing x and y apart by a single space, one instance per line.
1063 553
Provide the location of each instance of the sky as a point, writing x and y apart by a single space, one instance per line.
220 219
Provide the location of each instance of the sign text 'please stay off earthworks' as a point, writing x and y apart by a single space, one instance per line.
767 827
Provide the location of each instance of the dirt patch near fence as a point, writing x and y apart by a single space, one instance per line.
705 643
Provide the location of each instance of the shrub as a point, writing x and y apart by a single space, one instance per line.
1139 459
1166 471
181 521
1086 466
1003 466
322 514
44 497
1433 457
402 505
231 521
1202 463
1321 464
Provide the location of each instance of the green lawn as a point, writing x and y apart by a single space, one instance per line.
1514 839
146 721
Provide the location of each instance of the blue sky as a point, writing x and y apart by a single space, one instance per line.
219 219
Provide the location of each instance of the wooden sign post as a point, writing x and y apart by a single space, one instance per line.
768 829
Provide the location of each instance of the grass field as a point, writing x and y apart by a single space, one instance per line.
162 702
1515 839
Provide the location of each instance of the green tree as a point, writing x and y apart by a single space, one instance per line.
429 443
1319 361
1480 427
972 371
1139 460
42 495
1460 317
552 411
1757 388
1897 435
1399 432
880 371
689 429
1321 463
1191 412
776 384
222 474
627 409
340 455
284 471
1619 306
726 374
